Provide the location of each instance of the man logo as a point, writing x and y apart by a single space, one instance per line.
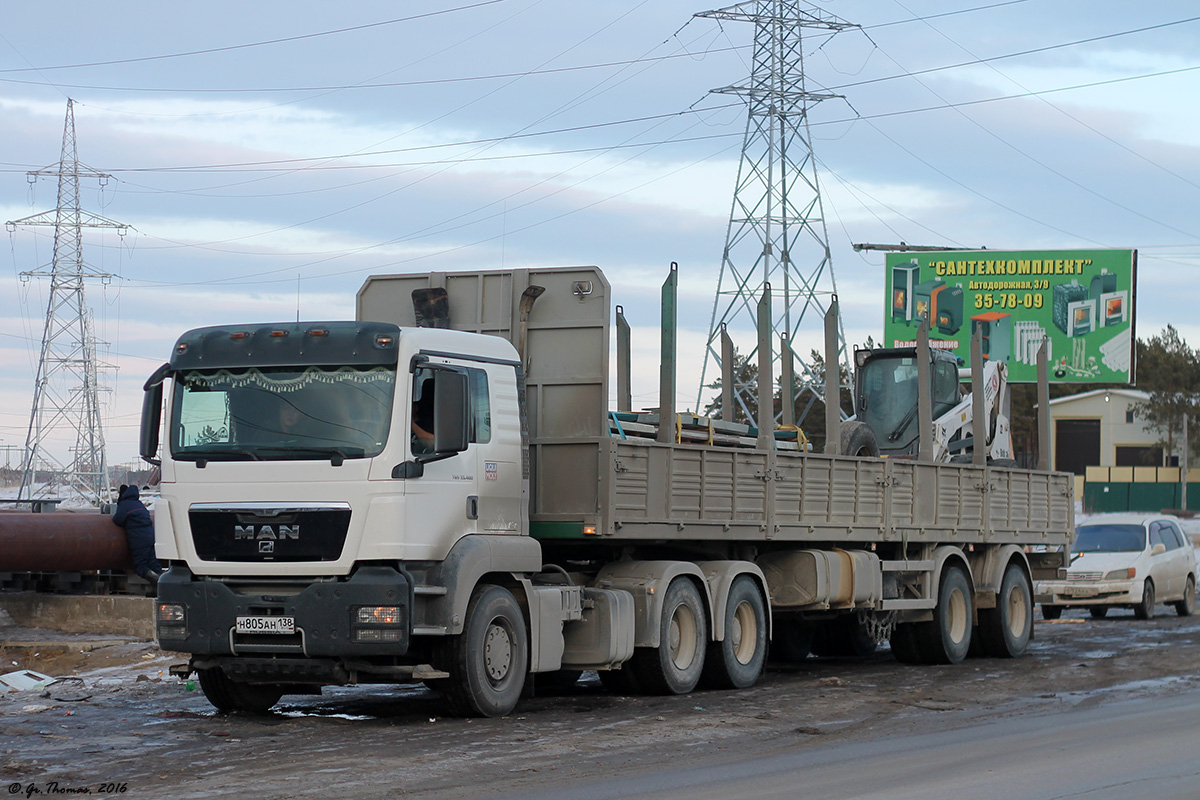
266 547
261 532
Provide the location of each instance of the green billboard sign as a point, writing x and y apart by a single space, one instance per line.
1082 301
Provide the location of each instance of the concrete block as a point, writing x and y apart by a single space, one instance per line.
115 614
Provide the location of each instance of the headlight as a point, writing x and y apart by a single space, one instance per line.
1121 574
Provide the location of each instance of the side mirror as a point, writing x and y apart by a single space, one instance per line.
450 409
152 399
1158 549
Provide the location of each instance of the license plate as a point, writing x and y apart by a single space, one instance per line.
266 624
1082 591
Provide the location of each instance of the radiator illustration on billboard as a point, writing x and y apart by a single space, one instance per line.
1079 302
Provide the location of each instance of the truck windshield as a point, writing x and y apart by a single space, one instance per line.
1109 539
890 397
282 413
890 394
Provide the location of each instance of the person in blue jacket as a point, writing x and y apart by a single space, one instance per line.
134 517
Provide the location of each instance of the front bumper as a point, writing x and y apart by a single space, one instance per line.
1088 593
325 615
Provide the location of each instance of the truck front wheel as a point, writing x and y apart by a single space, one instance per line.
737 661
227 695
675 666
488 660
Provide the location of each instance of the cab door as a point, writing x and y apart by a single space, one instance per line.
440 500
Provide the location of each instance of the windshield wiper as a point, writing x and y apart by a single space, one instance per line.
894 435
336 454
202 457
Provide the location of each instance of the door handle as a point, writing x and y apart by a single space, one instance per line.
473 507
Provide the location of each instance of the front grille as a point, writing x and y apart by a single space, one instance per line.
1079 577
262 533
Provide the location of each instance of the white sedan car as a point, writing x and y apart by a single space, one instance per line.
1128 560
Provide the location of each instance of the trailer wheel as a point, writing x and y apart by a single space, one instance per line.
1145 609
792 640
737 662
675 666
947 639
1005 629
488 660
229 695
857 439
904 643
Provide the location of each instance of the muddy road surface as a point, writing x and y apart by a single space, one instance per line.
120 725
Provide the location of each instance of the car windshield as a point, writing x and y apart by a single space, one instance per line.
1109 539
282 413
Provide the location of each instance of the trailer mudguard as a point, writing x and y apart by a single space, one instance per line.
720 575
987 571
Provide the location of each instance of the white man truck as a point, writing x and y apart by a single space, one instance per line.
438 492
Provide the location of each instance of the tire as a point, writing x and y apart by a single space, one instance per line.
1186 606
1005 630
1098 612
842 638
675 666
904 643
737 661
1051 612
1145 609
857 439
228 695
487 662
792 640
947 639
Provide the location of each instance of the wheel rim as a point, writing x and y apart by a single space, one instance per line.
743 633
682 637
1018 609
497 651
956 617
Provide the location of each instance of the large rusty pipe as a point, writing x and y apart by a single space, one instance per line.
63 541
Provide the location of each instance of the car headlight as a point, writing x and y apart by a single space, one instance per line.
1121 574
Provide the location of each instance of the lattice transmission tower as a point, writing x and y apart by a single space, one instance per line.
66 406
777 234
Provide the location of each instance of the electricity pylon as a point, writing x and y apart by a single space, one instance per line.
66 405
777 234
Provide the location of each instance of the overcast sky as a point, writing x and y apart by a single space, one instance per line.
268 156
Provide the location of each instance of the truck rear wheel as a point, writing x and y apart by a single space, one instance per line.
947 639
228 695
675 666
1005 629
738 660
488 660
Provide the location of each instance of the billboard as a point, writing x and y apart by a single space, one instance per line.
1081 300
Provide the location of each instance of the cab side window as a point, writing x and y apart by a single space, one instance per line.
480 412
